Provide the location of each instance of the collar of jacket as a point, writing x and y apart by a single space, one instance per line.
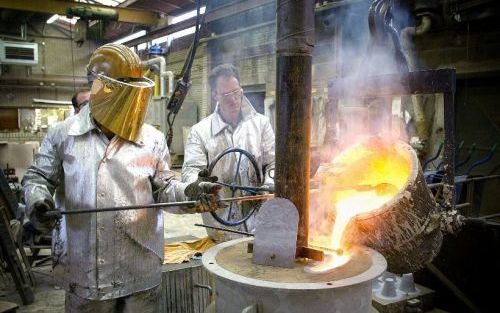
218 124
85 123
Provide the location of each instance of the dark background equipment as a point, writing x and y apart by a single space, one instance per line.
182 86
18 268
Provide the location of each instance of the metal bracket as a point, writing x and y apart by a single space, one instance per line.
276 233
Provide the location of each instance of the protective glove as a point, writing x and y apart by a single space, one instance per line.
42 222
205 192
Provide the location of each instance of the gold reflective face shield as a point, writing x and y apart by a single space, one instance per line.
121 106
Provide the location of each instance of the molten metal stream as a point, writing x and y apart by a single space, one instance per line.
375 172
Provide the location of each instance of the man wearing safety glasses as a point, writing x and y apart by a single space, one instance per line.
80 99
106 156
234 123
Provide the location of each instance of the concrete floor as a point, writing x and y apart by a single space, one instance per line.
49 298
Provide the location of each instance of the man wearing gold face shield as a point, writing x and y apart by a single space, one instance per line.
105 156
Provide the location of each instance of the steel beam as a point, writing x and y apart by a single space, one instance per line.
220 13
59 7
211 16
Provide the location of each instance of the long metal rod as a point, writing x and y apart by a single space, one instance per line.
490 215
246 188
459 181
226 229
449 148
154 205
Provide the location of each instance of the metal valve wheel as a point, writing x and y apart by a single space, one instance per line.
237 189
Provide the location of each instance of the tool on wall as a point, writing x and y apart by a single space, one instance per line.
184 83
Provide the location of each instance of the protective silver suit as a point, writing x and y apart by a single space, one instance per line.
110 254
107 157
211 136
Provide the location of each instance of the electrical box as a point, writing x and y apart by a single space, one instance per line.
19 53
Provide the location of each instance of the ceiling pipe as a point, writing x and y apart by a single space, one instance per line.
294 46
163 69
164 74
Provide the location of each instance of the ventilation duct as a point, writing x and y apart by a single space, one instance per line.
20 53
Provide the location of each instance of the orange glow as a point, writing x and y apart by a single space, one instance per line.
359 180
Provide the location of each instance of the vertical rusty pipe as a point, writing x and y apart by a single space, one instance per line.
294 45
449 149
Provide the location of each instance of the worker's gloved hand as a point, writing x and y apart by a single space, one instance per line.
205 192
207 201
41 221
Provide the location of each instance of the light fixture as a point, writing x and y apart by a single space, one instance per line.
186 16
72 20
52 19
131 37
57 17
169 38
47 101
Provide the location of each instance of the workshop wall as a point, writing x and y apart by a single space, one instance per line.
59 73
247 40
253 53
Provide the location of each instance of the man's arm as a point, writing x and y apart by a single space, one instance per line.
41 180
268 153
195 157
167 189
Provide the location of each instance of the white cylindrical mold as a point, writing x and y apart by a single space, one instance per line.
240 284
407 285
389 288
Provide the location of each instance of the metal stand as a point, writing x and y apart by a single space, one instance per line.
9 248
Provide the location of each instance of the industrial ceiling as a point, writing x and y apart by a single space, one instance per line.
129 15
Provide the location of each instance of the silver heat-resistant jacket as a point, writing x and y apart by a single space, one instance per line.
210 137
109 254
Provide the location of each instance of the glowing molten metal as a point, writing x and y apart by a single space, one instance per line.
361 179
